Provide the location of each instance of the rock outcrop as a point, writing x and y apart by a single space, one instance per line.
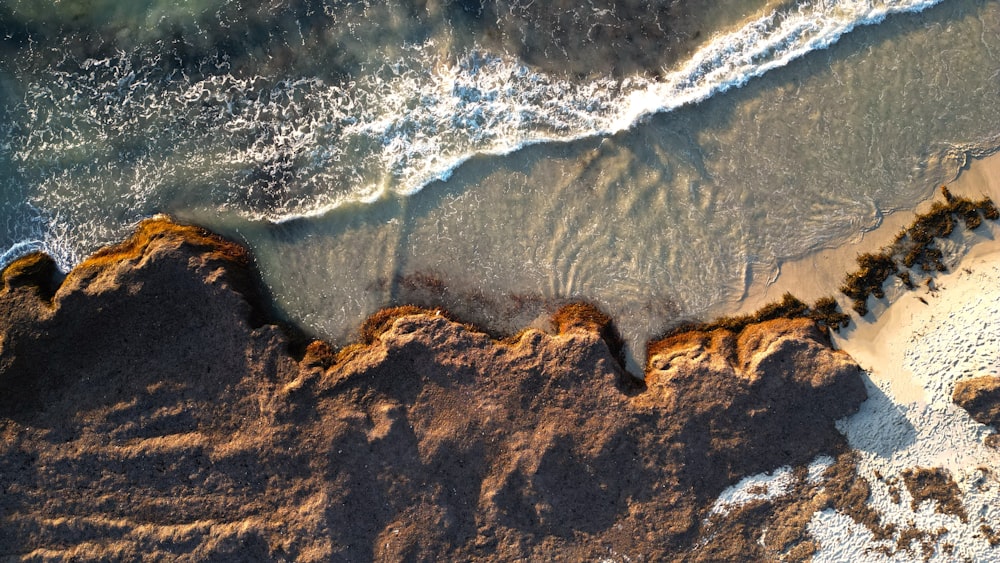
149 408
980 397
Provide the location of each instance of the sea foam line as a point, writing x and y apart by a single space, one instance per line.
496 101
301 148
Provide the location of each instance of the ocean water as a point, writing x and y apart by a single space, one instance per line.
491 157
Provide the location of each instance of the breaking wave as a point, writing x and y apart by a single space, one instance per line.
267 149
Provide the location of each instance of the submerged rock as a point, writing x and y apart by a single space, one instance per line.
148 408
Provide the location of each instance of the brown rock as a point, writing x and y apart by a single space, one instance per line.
146 409
772 391
980 396
992 441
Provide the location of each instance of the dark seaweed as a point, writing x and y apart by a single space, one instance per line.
915 248
824 312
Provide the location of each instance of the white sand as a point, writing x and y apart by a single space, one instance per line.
915 346
767 486
914 354
764 486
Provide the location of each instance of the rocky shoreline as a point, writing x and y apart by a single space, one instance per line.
151 407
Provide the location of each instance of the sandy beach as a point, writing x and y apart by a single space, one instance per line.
916 346
820 273
915 351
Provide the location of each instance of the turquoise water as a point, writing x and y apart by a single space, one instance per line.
491 157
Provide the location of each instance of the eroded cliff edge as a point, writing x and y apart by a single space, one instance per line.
149 408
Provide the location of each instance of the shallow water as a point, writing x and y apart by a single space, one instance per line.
409 152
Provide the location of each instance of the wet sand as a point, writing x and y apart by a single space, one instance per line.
820 273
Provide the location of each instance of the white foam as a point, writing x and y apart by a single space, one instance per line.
20 249
405 125
493 105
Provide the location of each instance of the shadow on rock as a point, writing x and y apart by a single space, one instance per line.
162 420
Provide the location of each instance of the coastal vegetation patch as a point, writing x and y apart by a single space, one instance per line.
824 312
935 484
980 397
590 317
912 254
